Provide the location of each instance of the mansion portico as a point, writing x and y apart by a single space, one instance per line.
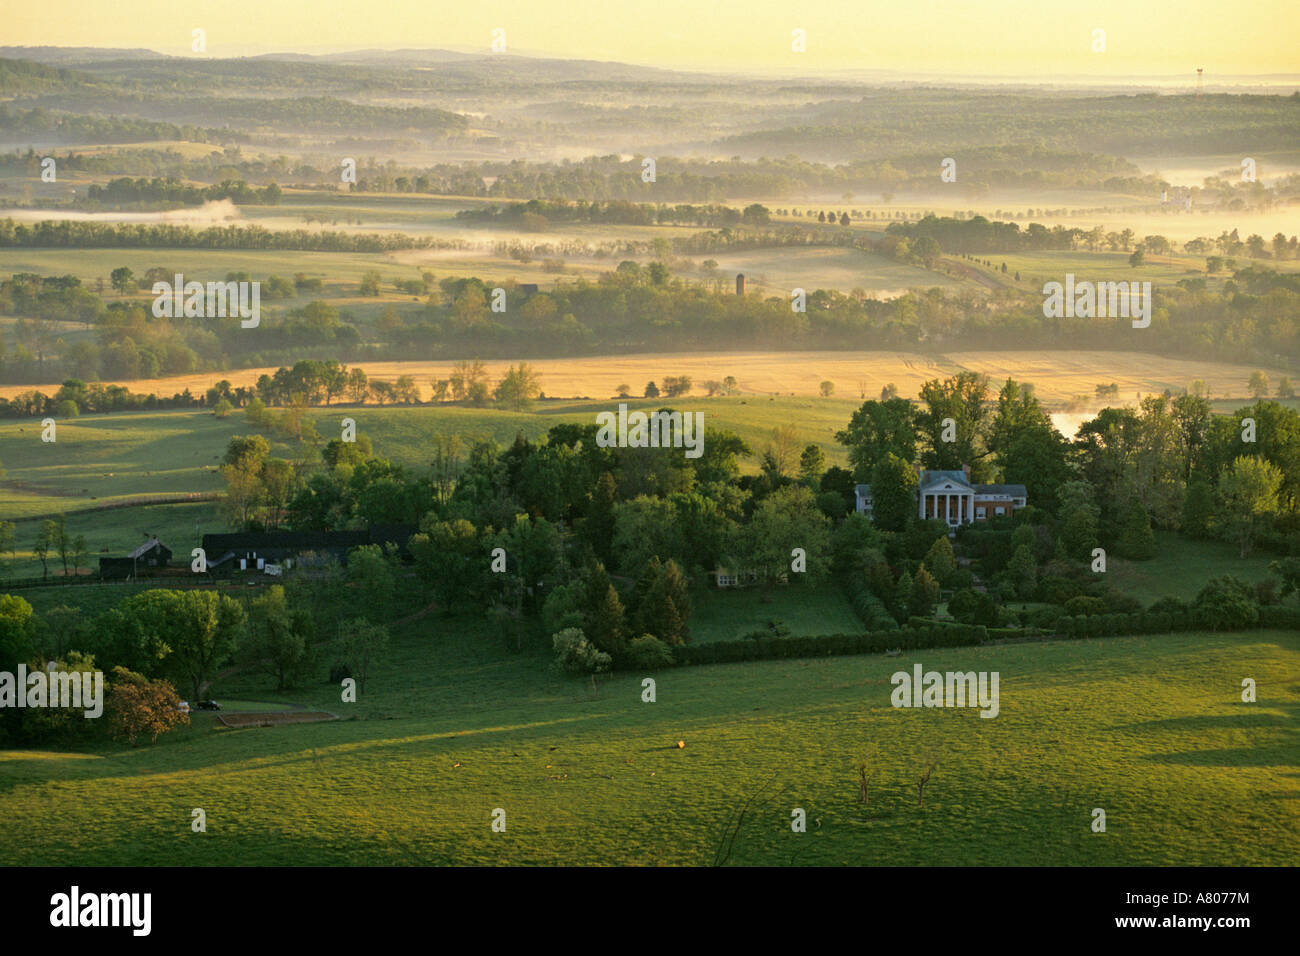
951 496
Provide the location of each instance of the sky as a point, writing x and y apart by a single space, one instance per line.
1031 38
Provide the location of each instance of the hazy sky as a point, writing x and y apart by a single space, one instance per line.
1040 38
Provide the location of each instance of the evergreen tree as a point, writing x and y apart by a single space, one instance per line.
1023 569
598 526
1135 539
893 493
662 603
903 597
940 561
604 620
1077 536
925 594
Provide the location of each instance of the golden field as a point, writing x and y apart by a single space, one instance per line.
1057 376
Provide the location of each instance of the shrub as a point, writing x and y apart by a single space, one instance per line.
1117 602
1225 604
1044 617
574 653
1168 605
973 607
137 706
1053 589
1082 605
647 652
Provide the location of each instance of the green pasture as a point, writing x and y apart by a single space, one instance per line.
118 531
452 726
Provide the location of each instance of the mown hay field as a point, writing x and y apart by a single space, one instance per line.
1057 375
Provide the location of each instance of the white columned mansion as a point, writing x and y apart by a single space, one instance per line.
950 496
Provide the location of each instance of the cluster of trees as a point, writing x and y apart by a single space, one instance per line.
944 122
980 235
63 127
314 113
75 398
537 214
172 190
83 234
159 639
312 382
1254 317
612 178
592 549
1169 464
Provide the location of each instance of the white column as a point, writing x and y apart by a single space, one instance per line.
947 507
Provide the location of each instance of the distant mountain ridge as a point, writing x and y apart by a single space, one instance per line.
498 64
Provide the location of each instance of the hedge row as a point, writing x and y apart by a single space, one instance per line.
867 606
1275 615
921 634
1141 622
828 645
1148 622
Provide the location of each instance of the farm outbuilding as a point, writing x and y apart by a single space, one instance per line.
151 555
255 551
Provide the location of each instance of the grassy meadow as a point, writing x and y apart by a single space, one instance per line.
109 459
1181 566
451 727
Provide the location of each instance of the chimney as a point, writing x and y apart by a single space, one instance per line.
740 283
965 470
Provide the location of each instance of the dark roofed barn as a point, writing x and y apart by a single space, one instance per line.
225 551
152 554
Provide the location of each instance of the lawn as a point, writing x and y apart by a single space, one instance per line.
451 726
730 614
1182 566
